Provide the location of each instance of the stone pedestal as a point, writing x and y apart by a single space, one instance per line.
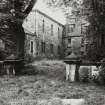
70 72
72 66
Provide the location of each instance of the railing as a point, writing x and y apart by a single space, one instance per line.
10 66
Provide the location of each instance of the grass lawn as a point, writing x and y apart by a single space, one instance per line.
46 84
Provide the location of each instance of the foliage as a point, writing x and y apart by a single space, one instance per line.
12 13
101 76
29 58
84 74
16 7
66 6
94 10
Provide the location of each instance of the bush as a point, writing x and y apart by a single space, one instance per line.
29 58
84 74
100 77
29 70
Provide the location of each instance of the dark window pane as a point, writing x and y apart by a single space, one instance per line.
43 47
31 46
58 49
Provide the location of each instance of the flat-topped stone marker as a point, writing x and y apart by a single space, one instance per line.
58 101
73 101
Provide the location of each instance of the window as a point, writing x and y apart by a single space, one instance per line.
58 33
51 29
43 27
58 50
71 28
43 45
86 47
31 47
51 48
69 40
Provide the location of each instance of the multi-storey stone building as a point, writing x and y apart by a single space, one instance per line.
75 35
43 36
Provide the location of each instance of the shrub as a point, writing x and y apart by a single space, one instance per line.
100 77
84 74
29 70
29 58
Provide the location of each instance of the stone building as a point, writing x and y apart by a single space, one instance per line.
75 34
43 36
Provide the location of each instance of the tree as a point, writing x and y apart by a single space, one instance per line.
12 14
65 5
96 29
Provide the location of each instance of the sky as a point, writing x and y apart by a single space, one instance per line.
57 15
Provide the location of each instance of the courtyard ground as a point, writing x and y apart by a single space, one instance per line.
46 83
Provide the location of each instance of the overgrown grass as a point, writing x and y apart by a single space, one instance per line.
48 82
50 68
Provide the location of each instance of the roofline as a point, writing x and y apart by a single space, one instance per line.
36 10
28 32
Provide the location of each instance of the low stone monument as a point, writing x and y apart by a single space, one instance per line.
72 65
58 101
73 101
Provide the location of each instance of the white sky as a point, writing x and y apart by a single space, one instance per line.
58 15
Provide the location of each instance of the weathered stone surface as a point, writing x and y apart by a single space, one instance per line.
70 72
52 101
58 101
73 101
55 101
22 102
